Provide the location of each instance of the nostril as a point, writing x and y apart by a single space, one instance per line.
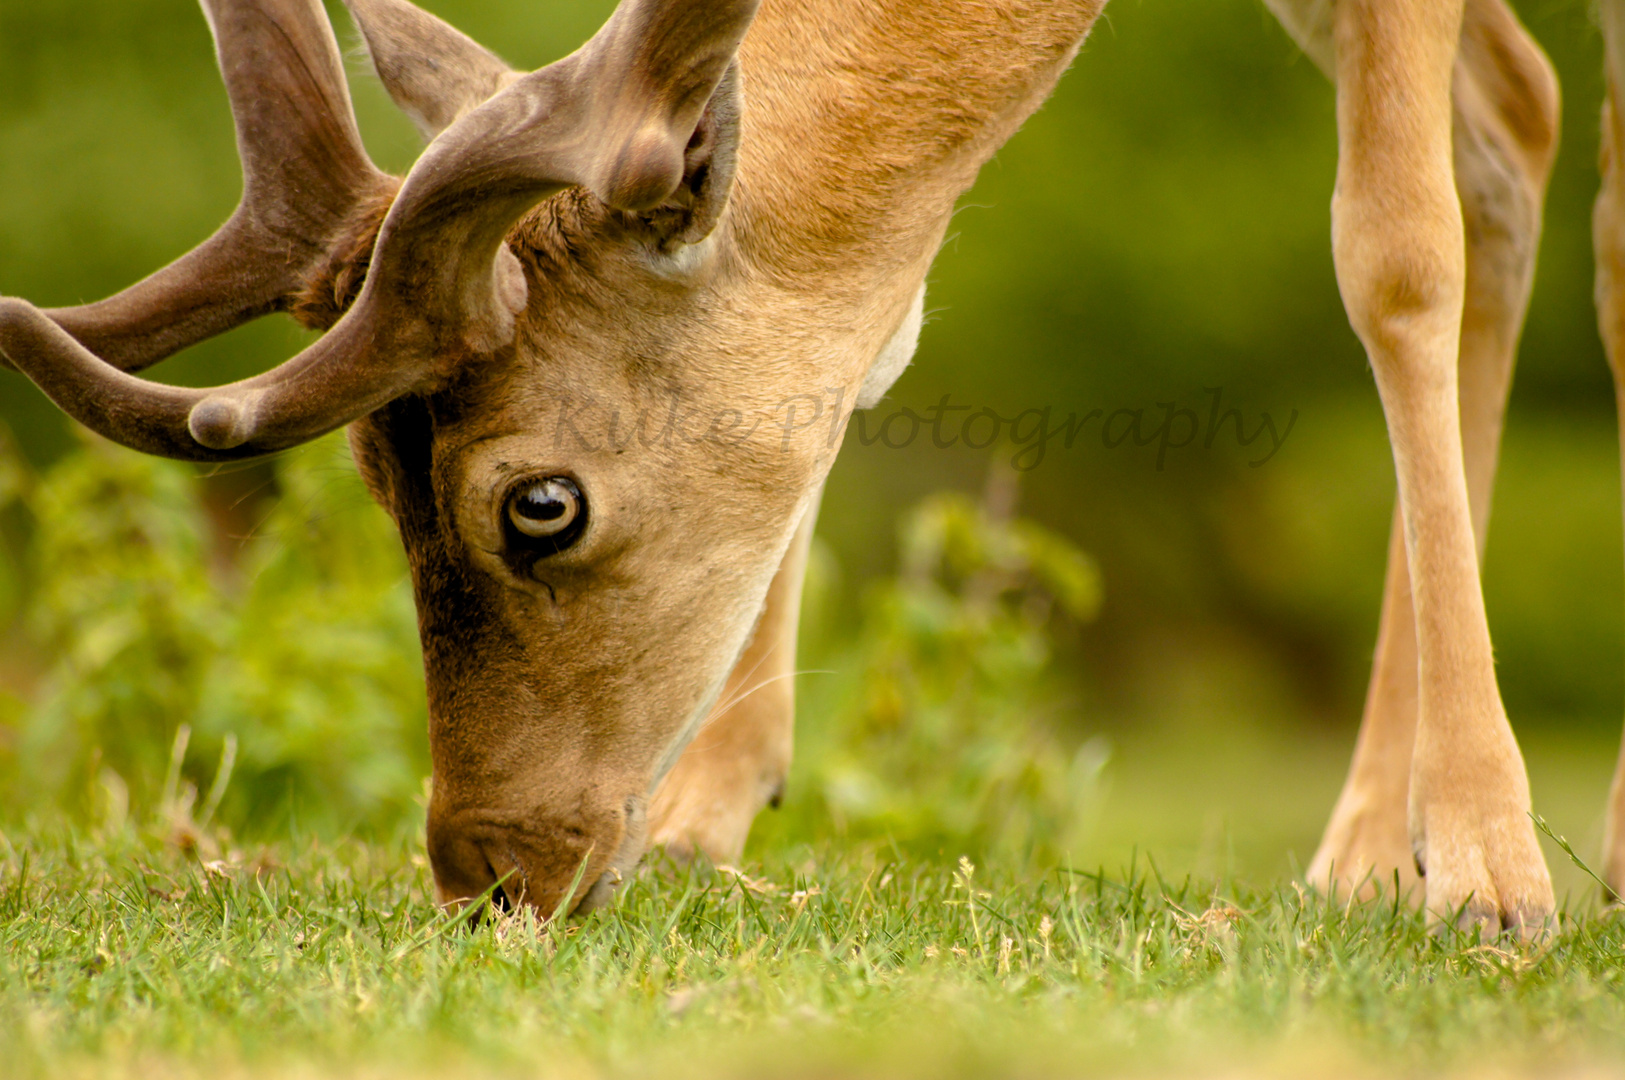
500 898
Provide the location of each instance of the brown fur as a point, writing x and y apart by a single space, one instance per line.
332 286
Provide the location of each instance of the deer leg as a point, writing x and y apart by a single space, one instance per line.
740 759
1608 235
1505 128
1399 244
1367 843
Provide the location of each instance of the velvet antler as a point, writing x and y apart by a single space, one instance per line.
615 117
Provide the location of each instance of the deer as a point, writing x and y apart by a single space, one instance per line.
722 208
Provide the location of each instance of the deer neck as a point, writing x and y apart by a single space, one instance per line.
864 121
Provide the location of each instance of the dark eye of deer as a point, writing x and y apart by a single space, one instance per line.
546 515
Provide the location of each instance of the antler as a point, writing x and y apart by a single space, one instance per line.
304 174
615 117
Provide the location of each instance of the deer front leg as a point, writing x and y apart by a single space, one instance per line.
1505 141
1399 248
1367 843
738 762
1608 235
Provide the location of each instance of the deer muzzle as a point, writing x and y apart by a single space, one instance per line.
554 864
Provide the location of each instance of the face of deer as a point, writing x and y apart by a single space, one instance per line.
570 659
560 379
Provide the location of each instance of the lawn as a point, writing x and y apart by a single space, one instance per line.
129 951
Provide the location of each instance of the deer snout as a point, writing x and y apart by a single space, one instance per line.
553 864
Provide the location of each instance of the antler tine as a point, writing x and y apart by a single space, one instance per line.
654 67
434 72
304 174
615 116
308 396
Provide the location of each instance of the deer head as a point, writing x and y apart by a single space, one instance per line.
567 344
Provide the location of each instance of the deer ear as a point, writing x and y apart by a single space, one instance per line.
708 165
434 72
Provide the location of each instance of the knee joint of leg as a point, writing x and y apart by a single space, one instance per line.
1399 296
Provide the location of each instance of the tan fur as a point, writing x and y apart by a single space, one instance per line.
740 757
1505 139
867 118
1399 247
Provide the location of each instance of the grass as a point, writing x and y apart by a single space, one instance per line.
123 954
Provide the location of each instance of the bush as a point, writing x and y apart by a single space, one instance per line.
947 738
303 653
286 682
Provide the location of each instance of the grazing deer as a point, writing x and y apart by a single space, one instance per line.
710 211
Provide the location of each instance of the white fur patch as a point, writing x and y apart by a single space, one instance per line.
894 356
685 260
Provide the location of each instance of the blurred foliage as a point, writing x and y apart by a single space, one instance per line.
948 734
283 669
301 647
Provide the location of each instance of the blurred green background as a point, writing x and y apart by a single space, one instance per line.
1160 227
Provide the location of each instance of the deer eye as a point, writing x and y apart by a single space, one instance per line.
546 515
